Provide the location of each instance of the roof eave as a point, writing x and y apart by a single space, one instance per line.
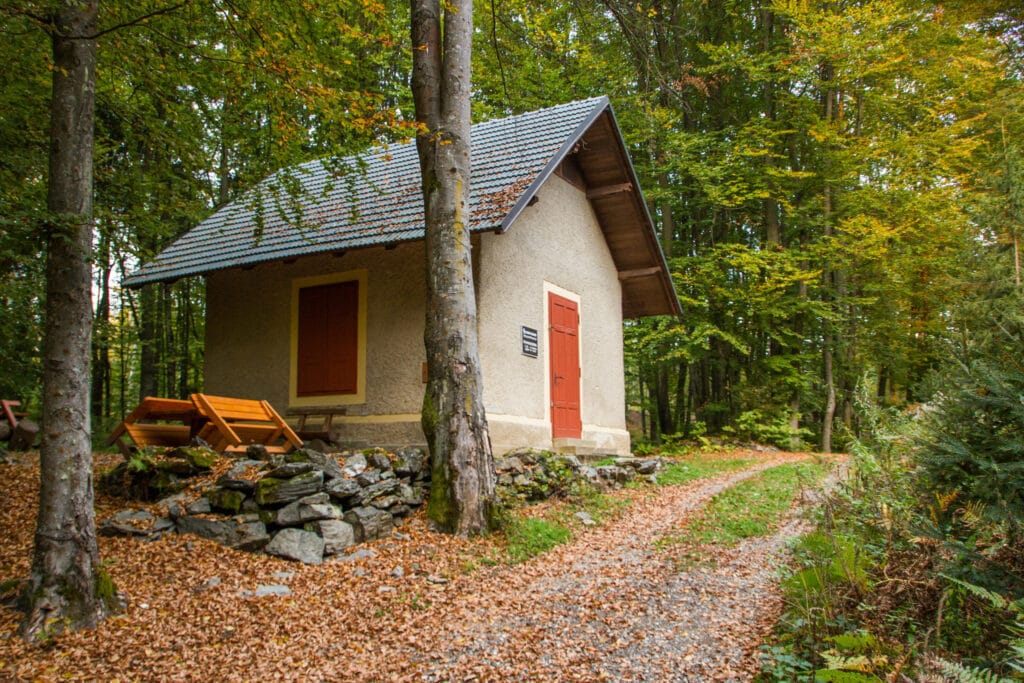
602 104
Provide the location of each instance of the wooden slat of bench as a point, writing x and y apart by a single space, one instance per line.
155 408
158 435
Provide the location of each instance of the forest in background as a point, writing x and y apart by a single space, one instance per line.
833 182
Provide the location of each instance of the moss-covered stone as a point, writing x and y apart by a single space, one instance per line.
272 491
226 500
201 458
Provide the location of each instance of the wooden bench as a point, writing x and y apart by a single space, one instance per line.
323 413
143 425
233 424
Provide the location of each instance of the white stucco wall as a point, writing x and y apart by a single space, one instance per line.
555 245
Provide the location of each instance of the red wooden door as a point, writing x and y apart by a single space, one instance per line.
564 327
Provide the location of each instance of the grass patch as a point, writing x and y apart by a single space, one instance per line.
531 536
753 507
699 466
539 528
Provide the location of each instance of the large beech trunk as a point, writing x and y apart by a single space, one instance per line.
462 468
65 589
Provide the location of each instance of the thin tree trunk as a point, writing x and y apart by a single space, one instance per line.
665 423
454 423
101 337
147 341
64 588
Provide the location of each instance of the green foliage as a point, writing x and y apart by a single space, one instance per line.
973 439
752 425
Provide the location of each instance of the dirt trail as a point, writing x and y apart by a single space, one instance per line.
609 606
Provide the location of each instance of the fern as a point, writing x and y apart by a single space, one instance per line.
962 674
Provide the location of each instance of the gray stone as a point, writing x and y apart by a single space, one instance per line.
585 518
412 462
163 524
283 576
272 491
379 461
410 495
613 473
177 498
590 474
354 464
298 545
360 554
242 466
400 511
369 523
514 464
133 516
200 506
257 451
387 474
648 466
127 523
570 461
272 589
501 465
342 489
384 502
521 480
318 445
398 572
327 463
211 582
291 469
337 535
309 509
244 535
505 480
368 478
236 484
387 487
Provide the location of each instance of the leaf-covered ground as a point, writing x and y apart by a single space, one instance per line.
610 605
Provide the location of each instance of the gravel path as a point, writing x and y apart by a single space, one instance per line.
610 606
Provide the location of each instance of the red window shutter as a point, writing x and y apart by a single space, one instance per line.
328 344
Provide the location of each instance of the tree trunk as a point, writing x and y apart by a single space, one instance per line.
147 341
101 336
66 586
454 423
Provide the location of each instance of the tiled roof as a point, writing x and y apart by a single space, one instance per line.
382 203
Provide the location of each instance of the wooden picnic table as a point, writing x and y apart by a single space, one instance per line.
236 423
144 424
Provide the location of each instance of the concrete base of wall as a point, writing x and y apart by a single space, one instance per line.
508 433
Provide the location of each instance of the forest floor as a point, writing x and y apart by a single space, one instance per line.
613 604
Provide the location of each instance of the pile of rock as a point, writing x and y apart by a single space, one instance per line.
302 507
313 503
536 475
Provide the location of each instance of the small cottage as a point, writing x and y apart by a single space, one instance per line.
319 307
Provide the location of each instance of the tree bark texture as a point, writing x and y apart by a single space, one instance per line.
454 423
65 590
